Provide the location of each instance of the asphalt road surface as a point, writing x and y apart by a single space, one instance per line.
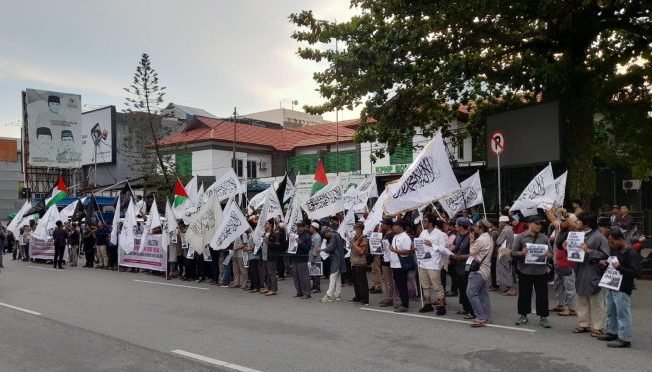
83 319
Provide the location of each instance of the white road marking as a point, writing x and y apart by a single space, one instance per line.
214 361
171 285
44 268
448 320
20 309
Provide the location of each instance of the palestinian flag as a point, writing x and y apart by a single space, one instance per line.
59 192
320 178
180 194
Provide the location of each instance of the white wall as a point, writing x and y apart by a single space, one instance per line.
217 162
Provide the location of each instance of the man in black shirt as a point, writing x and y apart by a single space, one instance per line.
59 236
619 316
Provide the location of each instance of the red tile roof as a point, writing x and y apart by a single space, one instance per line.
203 129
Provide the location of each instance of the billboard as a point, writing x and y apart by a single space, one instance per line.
530 135
53 128
98 132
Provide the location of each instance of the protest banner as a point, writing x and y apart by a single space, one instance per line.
325 202
612 278
536 254
43 249
152 256
573 246
375 243
429 178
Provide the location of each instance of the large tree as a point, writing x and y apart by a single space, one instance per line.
144 105
411 63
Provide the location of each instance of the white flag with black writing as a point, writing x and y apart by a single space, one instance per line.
290 190
293 217
560 189
225 187
153 222
204 223
169 226
326 202
234 224
540 191
346 226
116 221
469 195
375 216
128 226
369 186
259 199
428 178
274 208
67 212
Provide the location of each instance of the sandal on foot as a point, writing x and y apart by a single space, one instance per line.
581 330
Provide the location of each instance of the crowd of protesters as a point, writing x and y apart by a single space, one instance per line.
465 257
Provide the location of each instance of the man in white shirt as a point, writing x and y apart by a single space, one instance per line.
434 241
401 246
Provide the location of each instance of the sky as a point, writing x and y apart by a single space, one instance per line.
210 54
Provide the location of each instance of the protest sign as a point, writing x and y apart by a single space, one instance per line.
420 248
43 249
152 256
612 278
315 269
292 243
375 243
573 243
536 254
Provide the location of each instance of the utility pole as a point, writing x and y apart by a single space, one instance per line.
235 168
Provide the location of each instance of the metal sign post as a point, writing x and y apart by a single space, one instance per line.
497 146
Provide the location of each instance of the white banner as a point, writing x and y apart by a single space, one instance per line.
427 179
234 224
53 126
204 223
375 216
560 189
153 221
469 195
127 233
47 223
326 202
369 186
152 256
541 190
43 249
259 231
274 208
14 225
169 227
97 134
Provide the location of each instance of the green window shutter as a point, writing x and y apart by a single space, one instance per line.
348 161
402 154
183 164
303 164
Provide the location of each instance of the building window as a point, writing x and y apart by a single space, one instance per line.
460 151
252 172
238 168
401 154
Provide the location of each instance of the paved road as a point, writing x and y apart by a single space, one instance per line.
99 320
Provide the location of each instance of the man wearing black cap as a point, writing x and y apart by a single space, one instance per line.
531 275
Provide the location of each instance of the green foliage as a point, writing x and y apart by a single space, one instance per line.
410 64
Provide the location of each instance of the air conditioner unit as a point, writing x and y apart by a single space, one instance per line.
631 185
263 165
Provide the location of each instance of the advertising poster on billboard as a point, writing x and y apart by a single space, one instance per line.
53 127
97 131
